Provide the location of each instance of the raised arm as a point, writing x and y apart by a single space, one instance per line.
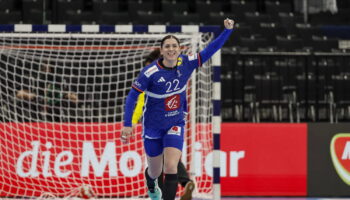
218 42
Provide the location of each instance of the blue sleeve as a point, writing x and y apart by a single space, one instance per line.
215 45
131 100
143 80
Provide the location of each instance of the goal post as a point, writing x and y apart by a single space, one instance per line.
63 91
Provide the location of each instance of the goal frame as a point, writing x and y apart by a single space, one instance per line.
216 64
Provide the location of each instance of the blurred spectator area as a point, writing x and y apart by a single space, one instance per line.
268 20
286 86
135 11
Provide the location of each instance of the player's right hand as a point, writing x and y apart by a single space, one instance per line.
126 134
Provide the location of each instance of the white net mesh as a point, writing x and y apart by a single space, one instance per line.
61 108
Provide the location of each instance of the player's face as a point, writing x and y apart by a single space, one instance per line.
170 49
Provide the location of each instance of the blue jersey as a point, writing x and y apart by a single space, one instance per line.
165 88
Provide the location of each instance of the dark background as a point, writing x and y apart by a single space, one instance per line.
323 179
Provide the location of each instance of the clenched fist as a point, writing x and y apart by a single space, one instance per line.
229 23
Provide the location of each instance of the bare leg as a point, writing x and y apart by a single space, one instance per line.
171 160
155 165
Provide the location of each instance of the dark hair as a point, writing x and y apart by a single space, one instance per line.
168 37
155 54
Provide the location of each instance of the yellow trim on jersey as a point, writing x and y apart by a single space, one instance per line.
179 61
138 109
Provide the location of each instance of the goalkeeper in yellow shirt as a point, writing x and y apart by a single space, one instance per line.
183 178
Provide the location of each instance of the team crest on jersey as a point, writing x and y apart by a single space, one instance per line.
175 130
172 103
192 57
151 71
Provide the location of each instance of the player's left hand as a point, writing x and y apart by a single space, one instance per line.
229 23
126 134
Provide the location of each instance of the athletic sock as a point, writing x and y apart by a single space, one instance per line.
160 180
170 186
150 181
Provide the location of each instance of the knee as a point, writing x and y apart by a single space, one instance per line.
154 172
170 167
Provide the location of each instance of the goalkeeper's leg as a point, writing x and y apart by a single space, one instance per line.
182 174
185 181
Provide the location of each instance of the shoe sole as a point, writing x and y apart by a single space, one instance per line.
188 191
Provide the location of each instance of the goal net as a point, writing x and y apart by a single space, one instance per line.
61 110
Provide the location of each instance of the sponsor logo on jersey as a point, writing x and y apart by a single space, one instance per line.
172 113
161 79
192 57
138 84
151 71
175 130
172 102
